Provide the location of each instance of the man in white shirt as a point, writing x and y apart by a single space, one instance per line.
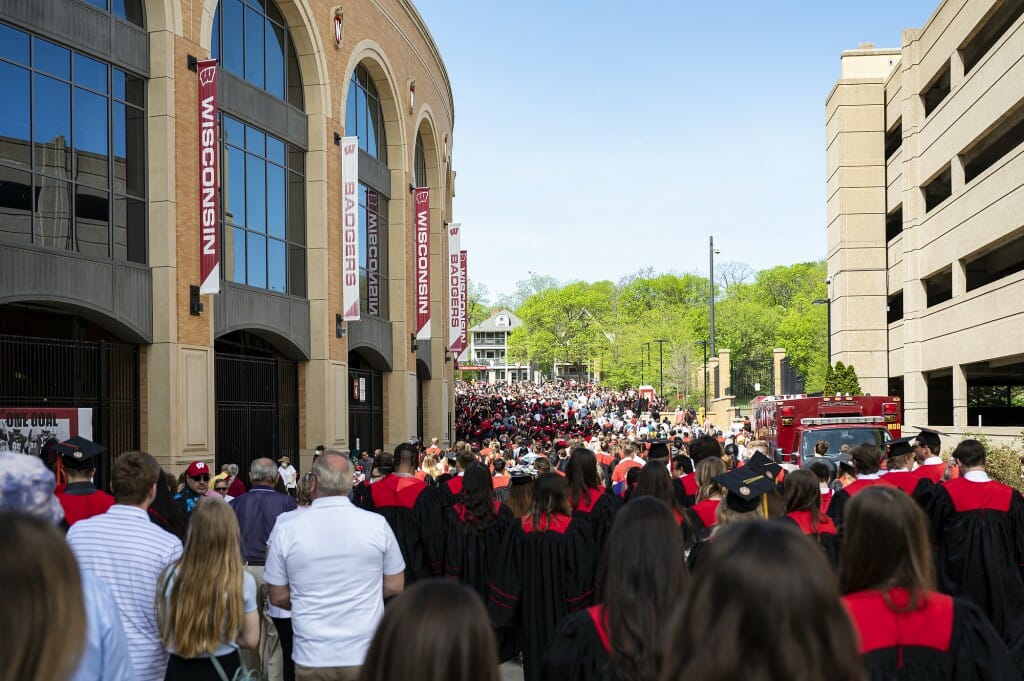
289 476
128 552
333 566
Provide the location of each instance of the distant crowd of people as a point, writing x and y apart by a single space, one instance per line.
587 554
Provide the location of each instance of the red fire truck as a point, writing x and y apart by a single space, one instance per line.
792 424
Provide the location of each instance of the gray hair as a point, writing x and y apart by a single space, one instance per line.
263 470
334 472
233 469
26 486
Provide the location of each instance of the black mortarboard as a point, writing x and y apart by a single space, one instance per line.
520 476
78 453
658 450
745 487
763 464
904 445
929 437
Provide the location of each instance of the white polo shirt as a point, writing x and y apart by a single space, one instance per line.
333 558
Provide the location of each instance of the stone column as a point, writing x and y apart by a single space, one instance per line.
959 396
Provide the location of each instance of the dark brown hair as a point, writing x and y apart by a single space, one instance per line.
581 472
438 630
765 600
866 458
970 453
550 497
641 576
42 622
477 496
803 493
133 476
886 545
654 481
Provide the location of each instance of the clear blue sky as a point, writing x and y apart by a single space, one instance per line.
596 138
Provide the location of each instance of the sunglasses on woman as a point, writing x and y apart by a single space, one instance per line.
220 489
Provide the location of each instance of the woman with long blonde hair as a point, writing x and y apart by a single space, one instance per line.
206 601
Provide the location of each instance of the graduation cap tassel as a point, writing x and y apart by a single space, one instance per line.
764 505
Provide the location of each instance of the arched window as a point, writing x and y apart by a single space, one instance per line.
363 116
419 164
129 10
250 38
72 150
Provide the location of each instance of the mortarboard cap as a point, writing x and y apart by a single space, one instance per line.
745 487
519 475
77 453
761 463
900 447
929 437
658 449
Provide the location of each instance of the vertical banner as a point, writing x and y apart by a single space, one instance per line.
350 228
463 301
454 276
372 254
209 180
422 255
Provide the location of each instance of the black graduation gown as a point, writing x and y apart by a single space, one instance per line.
579 651
979 531
949 638
843 496
918 487
702 517
410 509
541 577
685 488
598 511
470 557
825 536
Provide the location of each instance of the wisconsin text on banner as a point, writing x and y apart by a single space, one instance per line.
454 273
463 300
350 228
372 254
422 250
209 181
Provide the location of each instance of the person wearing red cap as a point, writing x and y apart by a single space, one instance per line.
197 484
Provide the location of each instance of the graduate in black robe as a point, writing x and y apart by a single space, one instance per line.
545 571
803 508
589 500
907 629
641 579
979 530
411 510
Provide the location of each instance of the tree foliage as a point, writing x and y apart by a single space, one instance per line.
842 379
616 326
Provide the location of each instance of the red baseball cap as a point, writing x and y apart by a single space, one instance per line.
197 468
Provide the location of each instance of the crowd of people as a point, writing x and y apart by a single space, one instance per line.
583 552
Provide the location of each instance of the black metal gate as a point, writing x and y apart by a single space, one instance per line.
257 409
751 376
366 410
99 375
792 382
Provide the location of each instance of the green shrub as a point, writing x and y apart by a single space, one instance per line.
1003 461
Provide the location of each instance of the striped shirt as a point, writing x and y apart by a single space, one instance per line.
128 552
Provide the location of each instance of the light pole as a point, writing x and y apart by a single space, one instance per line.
712 251
827 302
704 344
641 369
661 367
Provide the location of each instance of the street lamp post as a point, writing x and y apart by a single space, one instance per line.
711 288
704 344
661 366
827 302
641 370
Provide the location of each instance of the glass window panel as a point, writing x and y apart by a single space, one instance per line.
255 194
255 140
276 265
275 150
254 66
215 33
296 159
135 91
234 131
294 78
52 59
136 159
51 113
361 117
119 231
130 10
351 127
296 209
232 47
275 201
234 178
15 122
297 271
274 13
13 44
90 137
234 254
102 4
119 83
92 217
53 213
90 73
275 60
256 259
15 205
138 248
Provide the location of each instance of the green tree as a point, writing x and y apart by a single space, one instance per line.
476 301
842 379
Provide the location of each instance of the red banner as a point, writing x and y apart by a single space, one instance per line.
209 180
24 430
422 256
372 254
463 301
454 274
